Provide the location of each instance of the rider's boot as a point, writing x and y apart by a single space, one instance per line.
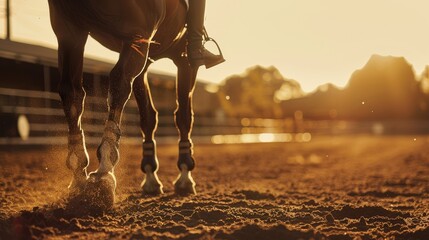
197 54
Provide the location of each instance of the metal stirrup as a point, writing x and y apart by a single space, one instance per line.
207 38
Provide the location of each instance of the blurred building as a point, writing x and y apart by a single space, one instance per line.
30 107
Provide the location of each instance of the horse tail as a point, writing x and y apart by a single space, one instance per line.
85 15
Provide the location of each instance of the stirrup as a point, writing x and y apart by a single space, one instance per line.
207 38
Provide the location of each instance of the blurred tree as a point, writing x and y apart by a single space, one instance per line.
257 93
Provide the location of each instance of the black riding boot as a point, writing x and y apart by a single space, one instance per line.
197 54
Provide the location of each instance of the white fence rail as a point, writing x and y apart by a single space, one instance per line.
48 126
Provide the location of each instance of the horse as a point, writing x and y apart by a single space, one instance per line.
141 32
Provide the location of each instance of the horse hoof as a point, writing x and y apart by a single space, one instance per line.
151 184
76 187
150 187
184 184
99 193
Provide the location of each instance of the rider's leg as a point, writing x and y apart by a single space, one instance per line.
197 54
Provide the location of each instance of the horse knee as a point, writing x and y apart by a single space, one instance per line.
70 93
119 75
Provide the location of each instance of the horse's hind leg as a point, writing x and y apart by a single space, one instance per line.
102 182
71 42
184 118
148 123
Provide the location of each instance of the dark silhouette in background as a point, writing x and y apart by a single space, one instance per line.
385 88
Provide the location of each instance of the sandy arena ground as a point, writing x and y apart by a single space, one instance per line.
356 187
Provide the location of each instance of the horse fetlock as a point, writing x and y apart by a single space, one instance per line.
149 157
151 161
184 184
108 156
185 155
151 185
186 159
77 158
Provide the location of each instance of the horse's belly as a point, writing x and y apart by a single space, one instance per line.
107 41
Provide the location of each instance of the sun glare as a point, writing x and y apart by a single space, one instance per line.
261 138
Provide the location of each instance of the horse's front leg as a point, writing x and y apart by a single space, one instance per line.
70 60
102 182
148 124
184 117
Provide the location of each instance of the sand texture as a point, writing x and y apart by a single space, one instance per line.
356 187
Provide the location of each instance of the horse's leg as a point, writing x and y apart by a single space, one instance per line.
71 42
148 123
184 117
102 182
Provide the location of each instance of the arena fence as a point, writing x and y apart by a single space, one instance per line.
36 118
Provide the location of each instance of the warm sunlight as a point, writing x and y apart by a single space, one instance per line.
311 41
315 127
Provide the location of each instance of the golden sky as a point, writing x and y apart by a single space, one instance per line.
311 41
